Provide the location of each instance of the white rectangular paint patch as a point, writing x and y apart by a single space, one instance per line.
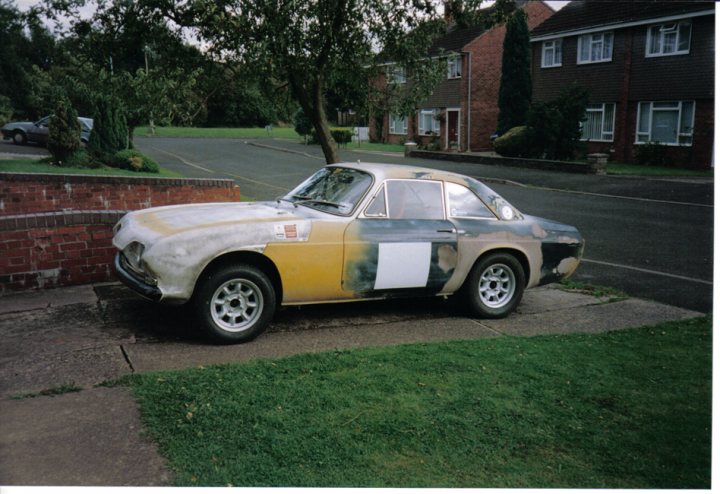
403 265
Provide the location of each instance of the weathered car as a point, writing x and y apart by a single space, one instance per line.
349 232
38 132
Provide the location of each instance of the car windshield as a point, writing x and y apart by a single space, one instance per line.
333 190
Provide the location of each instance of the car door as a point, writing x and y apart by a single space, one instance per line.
39 131
402 243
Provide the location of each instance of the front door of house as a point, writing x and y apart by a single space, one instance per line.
453 129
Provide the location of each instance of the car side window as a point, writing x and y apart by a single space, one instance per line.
377 207
414 200
463 203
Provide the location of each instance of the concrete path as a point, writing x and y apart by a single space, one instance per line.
89 334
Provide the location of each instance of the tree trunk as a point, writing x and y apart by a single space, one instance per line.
313 104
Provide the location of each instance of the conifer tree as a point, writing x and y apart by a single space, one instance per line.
110 132
515 82
64 132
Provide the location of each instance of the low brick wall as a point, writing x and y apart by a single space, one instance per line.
562 166
23 193
56 230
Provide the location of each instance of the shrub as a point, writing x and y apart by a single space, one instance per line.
513 143
652 153
131 159
110 132
303 126
64 133
341 136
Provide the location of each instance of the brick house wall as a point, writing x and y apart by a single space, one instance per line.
631 77
475 93
56 230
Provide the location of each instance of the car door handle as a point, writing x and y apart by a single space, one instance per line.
446 230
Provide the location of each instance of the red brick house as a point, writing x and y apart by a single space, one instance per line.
462 112
649 67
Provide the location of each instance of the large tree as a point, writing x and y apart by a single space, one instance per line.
310 45
515 82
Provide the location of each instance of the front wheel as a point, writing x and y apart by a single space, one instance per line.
235 303
19 138
495 286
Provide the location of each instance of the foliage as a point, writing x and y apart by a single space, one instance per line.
110 133
625 409
341 136
515 83
652 153
64 132
513 143
302 125
133 160
555 125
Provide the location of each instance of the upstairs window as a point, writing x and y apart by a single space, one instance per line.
398 124
396 75
668 39
552 53
454 67
593 48
600 122
666 122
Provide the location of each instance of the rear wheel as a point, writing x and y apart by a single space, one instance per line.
235 303
495 286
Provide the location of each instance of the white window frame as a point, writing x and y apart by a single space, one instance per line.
396 74
454 66
435 125
553 46
662 31
394 118
603 39
603 109
684 135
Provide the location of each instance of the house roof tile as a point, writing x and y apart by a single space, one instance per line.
587 14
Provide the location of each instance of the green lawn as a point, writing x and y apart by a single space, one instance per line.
655 171
38 166
627 409
233 133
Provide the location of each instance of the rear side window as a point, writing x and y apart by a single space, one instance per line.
463 203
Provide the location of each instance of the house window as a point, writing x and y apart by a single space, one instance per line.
396 75
600 122
398 124
428 122
454 67
594 48
668 39
552 53
669 122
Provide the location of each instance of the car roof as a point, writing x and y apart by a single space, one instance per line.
384 171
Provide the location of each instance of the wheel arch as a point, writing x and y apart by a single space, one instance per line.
516 253
246 257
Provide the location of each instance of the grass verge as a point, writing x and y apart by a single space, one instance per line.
56 391
627 409
655 171
38 166
231 133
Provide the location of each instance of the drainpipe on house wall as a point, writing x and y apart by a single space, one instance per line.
469 98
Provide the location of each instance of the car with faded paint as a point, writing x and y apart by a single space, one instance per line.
349 232
38 132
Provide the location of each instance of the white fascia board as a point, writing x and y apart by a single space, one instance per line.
620 25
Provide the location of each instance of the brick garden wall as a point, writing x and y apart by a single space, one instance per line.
56 230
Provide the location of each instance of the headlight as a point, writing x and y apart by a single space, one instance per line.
133 252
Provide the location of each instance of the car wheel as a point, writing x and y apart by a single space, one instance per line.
495 286
19 138
235 303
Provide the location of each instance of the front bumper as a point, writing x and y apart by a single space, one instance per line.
133 281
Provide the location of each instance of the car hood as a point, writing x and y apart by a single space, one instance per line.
18 125
172 220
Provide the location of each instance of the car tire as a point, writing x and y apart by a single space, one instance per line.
495 286
19 138
234 303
